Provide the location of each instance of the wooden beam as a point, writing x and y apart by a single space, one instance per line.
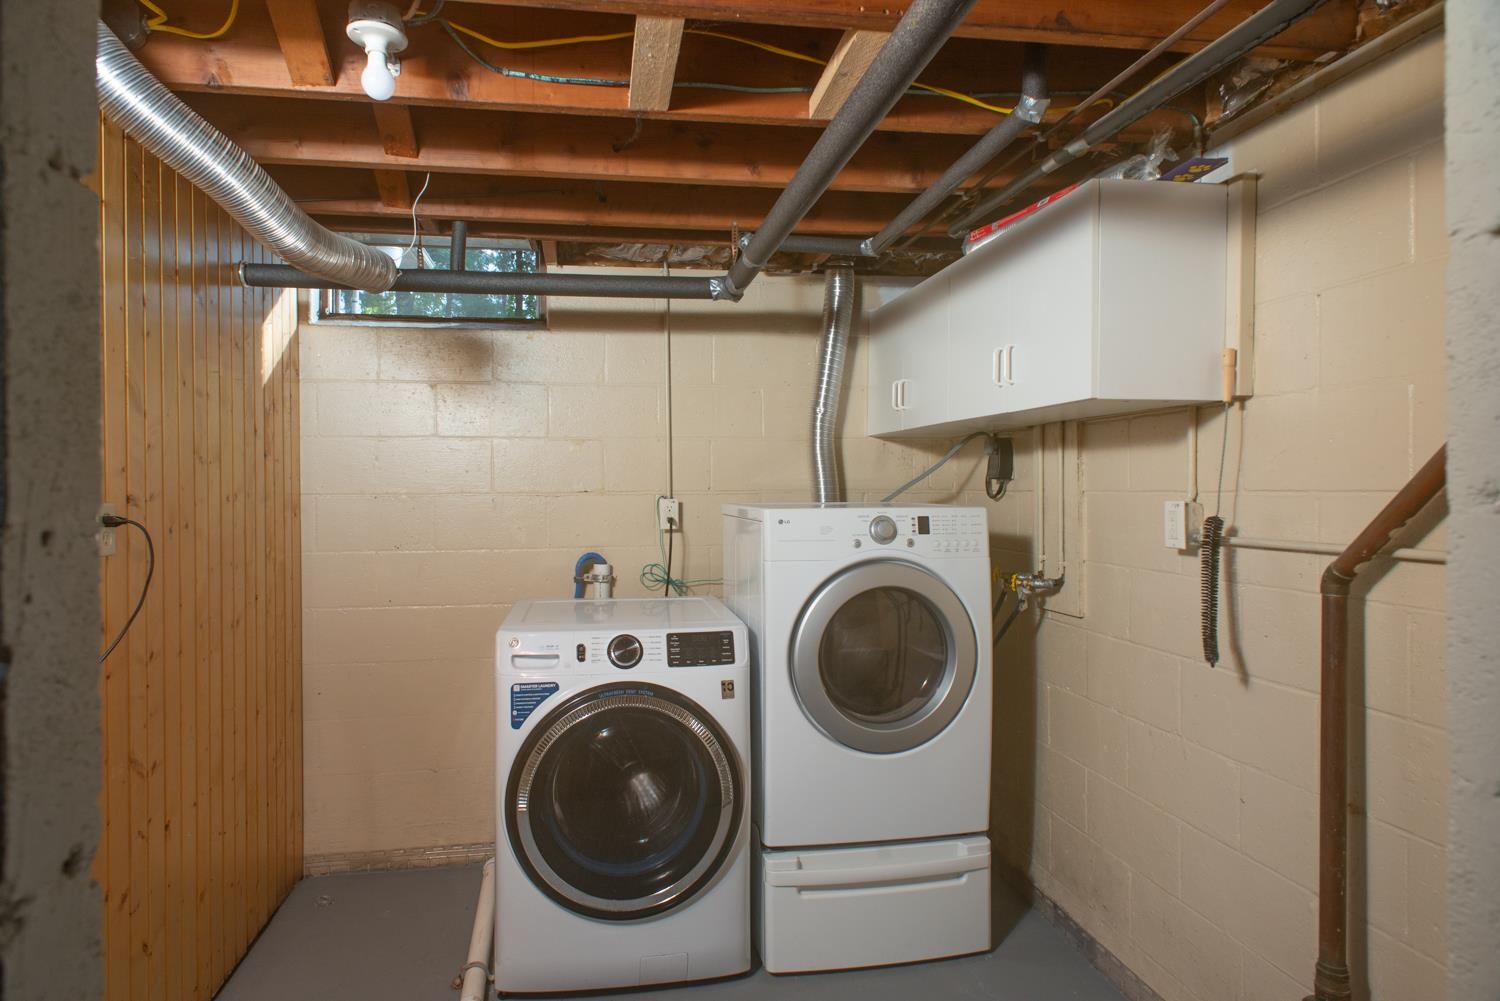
302 43
653 62
323 191
855 52
1102 23
322 133
398 133
395 192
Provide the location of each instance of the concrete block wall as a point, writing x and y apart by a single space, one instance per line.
450 473
1176 814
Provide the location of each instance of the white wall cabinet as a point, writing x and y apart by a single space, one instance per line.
1111 300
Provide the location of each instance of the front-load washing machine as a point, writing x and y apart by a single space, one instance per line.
623 794
871 636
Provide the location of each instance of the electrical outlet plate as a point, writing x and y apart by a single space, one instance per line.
104 537
1182 525
669 514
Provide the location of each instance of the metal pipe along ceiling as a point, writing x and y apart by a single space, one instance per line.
152 115
1028 111
916 39
1255 29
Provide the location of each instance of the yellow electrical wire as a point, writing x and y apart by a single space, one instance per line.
541 43
159 22
763 46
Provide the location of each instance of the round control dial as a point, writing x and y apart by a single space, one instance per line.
625 651
882 529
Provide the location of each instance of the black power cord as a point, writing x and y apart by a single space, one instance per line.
115 521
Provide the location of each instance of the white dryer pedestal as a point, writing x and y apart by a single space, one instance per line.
872 905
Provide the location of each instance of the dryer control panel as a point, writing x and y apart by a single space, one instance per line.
833 531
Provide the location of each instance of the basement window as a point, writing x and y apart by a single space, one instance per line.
438 308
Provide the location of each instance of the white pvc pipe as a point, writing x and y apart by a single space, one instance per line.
476 986
1330 549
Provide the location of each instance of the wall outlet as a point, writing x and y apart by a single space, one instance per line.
669 514
104 537
1182 525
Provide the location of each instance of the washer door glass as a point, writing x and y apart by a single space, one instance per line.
883 656
623 802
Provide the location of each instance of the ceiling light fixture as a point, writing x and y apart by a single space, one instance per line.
377 28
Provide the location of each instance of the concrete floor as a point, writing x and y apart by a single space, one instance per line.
401 936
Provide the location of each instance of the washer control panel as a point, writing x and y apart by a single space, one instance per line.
627 651
710 649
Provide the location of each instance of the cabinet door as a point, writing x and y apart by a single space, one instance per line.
1021 314
908 360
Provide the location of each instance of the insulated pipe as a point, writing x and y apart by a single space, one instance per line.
1028 111
476 975
1331 975
839 290
499 283
916 38
152 115
458 245
1270 20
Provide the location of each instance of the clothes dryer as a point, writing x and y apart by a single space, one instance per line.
870 631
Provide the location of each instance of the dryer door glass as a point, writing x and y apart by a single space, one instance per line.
624 802
883 656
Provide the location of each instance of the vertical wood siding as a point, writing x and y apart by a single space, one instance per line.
202 797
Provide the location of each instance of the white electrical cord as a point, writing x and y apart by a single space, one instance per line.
414 203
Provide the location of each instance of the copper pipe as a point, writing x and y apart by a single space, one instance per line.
1331 976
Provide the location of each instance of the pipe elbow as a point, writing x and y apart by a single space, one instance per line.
1334 582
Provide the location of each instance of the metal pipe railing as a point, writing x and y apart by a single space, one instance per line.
1270 20
1331 975
497 283
1029 110
916 38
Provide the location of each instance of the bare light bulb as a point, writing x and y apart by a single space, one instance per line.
377 28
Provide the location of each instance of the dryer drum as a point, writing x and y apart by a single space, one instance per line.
883 656
623 802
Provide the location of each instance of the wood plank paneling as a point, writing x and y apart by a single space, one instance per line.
202 701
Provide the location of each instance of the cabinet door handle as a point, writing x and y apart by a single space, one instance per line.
1000 366
898 394
1009 364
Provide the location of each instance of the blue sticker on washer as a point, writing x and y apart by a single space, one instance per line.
525 696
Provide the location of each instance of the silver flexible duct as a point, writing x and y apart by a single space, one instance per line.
153 116
838 312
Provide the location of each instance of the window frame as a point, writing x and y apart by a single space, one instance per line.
320 300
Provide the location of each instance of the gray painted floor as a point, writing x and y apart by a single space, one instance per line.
401 936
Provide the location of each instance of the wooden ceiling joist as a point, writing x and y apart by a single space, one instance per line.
324 191
398 133
653 62
300 35
1102 23
395 191
326 134
855 52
